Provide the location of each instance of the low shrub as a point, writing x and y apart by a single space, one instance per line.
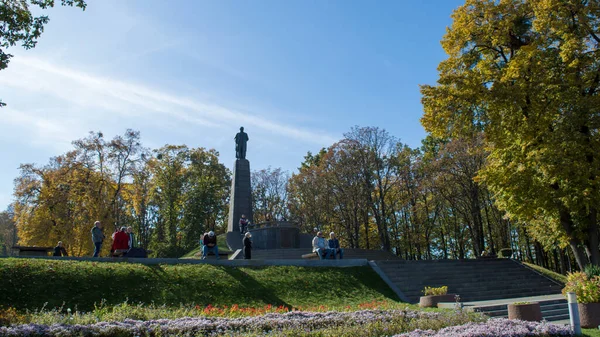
505 252
142 312
10 315
592 270
428 291
586 288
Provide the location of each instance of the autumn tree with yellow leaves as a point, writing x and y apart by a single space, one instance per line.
527 75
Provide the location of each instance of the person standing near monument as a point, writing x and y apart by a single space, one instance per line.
243 224
97 237
247 246
241 138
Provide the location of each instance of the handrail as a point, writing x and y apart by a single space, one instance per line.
273 223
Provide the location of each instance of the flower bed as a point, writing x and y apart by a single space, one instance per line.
298 322
365 323
498 327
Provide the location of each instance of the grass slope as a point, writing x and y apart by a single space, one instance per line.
29 284
548 273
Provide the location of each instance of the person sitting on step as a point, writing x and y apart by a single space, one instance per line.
210 245
243 224
320 247
334 244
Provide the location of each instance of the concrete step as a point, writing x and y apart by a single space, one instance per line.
473 280
552 310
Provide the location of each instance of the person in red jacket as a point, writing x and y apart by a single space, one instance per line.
120 244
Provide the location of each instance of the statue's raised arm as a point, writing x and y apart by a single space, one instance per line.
240 144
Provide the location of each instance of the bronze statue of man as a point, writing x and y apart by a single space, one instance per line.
240 144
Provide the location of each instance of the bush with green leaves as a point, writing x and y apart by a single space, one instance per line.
592 270
505 252
428 291
586 288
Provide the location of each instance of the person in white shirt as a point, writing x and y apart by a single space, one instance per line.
320 246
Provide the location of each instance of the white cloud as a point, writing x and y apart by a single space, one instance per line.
99 96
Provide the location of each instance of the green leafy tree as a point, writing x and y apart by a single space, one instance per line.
526 73
18 25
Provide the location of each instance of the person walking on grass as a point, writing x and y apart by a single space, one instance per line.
247 246
97 237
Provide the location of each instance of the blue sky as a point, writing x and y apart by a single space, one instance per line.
296 74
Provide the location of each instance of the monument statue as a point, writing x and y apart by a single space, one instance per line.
240 144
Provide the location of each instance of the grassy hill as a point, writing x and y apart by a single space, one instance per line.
30 283
548 273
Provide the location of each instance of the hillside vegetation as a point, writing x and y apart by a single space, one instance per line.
30 284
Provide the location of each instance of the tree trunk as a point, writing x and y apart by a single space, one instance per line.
593 249
578 252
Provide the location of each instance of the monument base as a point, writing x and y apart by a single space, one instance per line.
272 235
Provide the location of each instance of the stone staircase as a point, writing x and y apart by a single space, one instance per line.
296 253
554 308
473 280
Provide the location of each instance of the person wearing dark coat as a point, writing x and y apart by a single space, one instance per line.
247 246
59 250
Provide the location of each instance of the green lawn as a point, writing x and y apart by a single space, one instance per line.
591 332
29 284
548 273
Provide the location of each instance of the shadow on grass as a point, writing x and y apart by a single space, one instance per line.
254 289
369 278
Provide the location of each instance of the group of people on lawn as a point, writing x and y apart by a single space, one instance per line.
123 240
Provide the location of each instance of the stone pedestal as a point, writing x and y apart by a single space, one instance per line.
241 196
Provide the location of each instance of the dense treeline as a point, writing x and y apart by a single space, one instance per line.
170 196
510 160
371 189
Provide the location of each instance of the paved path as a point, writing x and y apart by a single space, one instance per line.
507 301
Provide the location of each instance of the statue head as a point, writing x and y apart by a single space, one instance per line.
242 129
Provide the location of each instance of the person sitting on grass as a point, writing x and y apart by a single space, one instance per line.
320 247
334 244
120 244
209 242
59 250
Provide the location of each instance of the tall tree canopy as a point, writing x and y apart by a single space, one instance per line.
527 74
21 26
170 197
